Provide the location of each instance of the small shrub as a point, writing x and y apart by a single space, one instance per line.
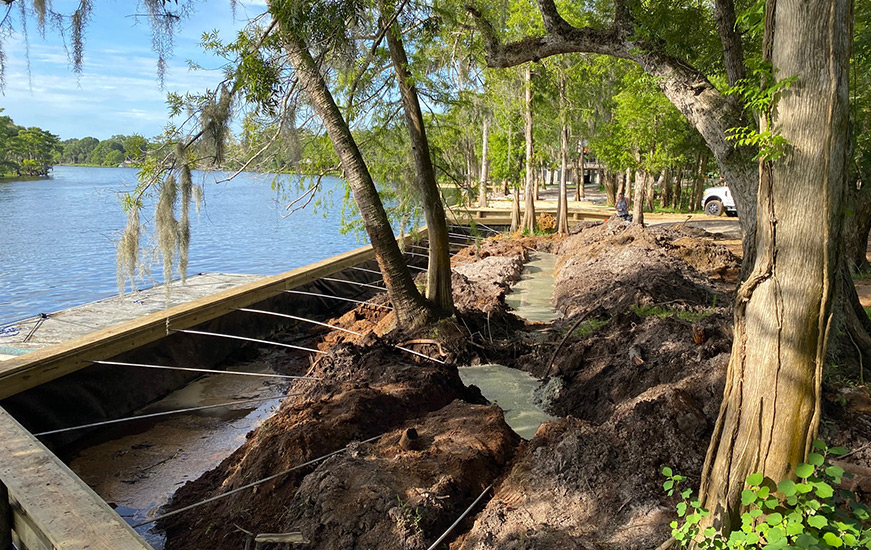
808 513
546 223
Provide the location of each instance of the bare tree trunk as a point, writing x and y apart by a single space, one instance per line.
649 182
784 310
638 200
610 179
408 305
667 188
678 190
528 224
515 209
857 226
485 163
562 225
438 274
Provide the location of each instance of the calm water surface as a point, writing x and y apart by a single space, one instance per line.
58 235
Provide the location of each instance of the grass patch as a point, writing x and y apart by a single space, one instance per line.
861 276
589 326
663 312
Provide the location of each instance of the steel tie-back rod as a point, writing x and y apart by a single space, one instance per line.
361 302
459 519
303 319
416 254
233 337
375 271
207 371
164 413
254 483
381 288
417 268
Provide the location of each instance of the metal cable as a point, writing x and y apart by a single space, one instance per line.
361 302
459 519
203 333
253 484
208 371
382 289
165 413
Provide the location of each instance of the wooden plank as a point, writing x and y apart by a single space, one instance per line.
55 509
35 368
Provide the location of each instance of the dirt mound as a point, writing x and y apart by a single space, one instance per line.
614 266
366 391
384 496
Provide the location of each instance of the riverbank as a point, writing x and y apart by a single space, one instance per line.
399 446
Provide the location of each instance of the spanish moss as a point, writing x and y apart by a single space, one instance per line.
128 251
166 227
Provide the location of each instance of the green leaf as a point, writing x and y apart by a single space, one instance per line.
681 509
838 451
755 479
774 519
710 532
747 497
833 540
667 472
763 492
815 459
824 490
804 471
668 485
819 445
786 487
817 521
835 472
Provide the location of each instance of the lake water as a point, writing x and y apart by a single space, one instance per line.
58 235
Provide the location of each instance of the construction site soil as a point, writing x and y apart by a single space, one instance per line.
634 370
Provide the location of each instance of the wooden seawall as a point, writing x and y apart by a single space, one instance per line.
43 504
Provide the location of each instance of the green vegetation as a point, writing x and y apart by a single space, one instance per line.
25 151
808 513
115 151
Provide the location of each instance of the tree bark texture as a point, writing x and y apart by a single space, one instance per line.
783 313
515 209
528 223
485 163
610 181
638 199
580 191
438 273
562 222
409 306
857 226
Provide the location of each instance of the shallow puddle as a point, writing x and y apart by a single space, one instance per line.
514 391
139 467
531 296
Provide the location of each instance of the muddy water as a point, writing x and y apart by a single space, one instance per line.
513 390
139 466
531 295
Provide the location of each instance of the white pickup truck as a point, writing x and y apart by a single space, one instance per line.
717 200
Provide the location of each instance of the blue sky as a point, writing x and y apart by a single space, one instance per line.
117 91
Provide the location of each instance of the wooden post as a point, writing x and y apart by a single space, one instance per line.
5 519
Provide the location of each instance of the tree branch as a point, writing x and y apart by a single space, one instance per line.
733 49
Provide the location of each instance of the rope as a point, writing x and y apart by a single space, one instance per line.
361 302
186 331
208 371
253 484
165 413
459 519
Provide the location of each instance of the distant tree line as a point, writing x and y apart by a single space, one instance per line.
26 151
115 151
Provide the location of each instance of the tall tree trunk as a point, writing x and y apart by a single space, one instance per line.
485 163
856 228
638 200
408 305
610 183
528 224
562 225
649 190
667 188
783 315
515 209
438 273
678 190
